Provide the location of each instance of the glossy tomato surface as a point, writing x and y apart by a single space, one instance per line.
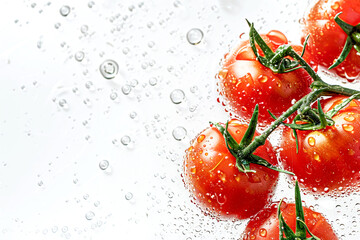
328 159
245 82
265 225
215 181
327 39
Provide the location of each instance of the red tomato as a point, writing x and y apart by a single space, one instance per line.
244 82
265 225
327 39
217 184
328 159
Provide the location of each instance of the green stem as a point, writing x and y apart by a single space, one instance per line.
356 37
260 140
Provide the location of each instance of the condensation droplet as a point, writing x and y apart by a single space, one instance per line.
109 69
348 127
84 29
133 115
64 10
89 215
63 103
177 96
311 141
179 133
104 164
79 56
153 81
113 95
128 196
263 232
194 36
126 89
125 140
91 4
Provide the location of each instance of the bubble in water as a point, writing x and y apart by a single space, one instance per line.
194 36
64 11
79 56
128 196
104 164
91 4
179 133
133 115
109 69
84 29
57 25
89 215
177 96
125 140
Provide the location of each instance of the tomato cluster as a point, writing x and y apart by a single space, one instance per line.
231 170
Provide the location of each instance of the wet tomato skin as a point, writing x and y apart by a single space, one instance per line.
329 159
327 39
245 82
265 225
215 182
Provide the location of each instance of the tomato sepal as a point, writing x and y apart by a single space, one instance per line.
301 227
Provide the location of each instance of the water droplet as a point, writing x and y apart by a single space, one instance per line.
86 196
311 141
125 140
262 79
194 36
89 215
128 196
57 25
91 4
153 81
133 115
317 157
40 183
151 44
201 138
177 96
96 204
348 127
126 89
349 118
179 133
79 56
104 164
63 103
113 95
109 69
84 29
64 10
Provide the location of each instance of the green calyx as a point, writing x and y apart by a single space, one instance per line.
243 160
353 39
301 228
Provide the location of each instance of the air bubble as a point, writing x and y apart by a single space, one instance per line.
194 36
133 115
177 96
64 10
153 81
89 215
84 29
91 4
104 164
109 69
179 133
125 140
79 56
63 103
128 196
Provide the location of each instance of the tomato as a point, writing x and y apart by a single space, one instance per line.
327 39
328 159
265 225
217 184
244 82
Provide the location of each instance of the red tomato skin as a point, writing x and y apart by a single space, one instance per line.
327 39
245 82
329 159
215 182
265 225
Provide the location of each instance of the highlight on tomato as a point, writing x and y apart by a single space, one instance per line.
244 82
211 172
334 40
290 221
328 160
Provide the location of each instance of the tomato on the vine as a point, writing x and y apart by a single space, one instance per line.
245 82
265 225
327 159
327 39
211 174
